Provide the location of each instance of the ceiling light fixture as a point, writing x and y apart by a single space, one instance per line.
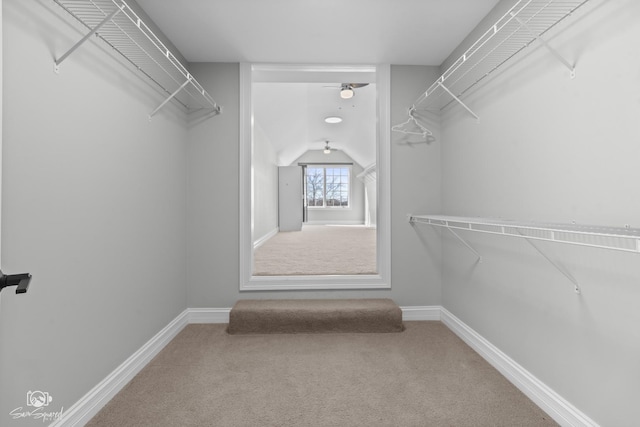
347 89
346 92
333 119
327 149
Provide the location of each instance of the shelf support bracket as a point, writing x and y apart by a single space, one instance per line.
458 99
412 220
555 264
572 69
464 242
177 91
109 17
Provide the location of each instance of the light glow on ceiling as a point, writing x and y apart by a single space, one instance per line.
333 119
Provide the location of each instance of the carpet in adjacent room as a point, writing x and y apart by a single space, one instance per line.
318 250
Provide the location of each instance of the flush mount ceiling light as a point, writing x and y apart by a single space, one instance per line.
333 119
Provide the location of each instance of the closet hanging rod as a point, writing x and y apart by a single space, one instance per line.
118 25
525 22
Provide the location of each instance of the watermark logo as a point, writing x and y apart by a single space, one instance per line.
37 402
38 398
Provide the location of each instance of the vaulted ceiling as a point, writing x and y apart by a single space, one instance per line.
292 116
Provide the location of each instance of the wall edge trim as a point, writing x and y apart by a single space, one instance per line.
412 313
261 241
88 406
208 315
563 412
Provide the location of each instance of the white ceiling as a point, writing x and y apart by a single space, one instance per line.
418 32
412 32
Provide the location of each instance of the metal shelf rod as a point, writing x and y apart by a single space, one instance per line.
554 52
566 274
460 223
459 101
129 36
159 107
525 22
464 242
86 37
468 54
626 234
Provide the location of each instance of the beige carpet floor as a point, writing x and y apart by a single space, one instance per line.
318 250
424 376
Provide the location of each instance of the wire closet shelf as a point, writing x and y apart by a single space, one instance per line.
121 28
525 22
616 238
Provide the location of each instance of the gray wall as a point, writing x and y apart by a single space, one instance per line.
265 185
549 148
97 202
93 205
213 252
354 214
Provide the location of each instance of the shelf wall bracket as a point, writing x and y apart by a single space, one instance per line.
572 68
464 242
459 100
56 66
555 264
177 91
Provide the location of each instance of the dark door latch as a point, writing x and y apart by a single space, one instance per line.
19 280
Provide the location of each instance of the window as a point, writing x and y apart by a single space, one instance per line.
327 186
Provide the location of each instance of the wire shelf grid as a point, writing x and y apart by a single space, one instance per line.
515 30
525 22
616 238
120 27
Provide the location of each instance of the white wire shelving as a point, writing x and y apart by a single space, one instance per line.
121 28
524 23
625 239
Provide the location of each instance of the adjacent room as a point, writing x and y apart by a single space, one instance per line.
320 213
313 166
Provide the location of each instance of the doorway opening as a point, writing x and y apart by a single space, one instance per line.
314 170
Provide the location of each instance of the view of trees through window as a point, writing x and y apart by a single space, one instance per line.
327 186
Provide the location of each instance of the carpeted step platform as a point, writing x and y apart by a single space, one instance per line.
315 316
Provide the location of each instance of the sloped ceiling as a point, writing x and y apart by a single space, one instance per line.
292 116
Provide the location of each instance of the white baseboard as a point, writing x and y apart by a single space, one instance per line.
336 222
261 241
431 312
208 315
88 406
221 315
563 412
